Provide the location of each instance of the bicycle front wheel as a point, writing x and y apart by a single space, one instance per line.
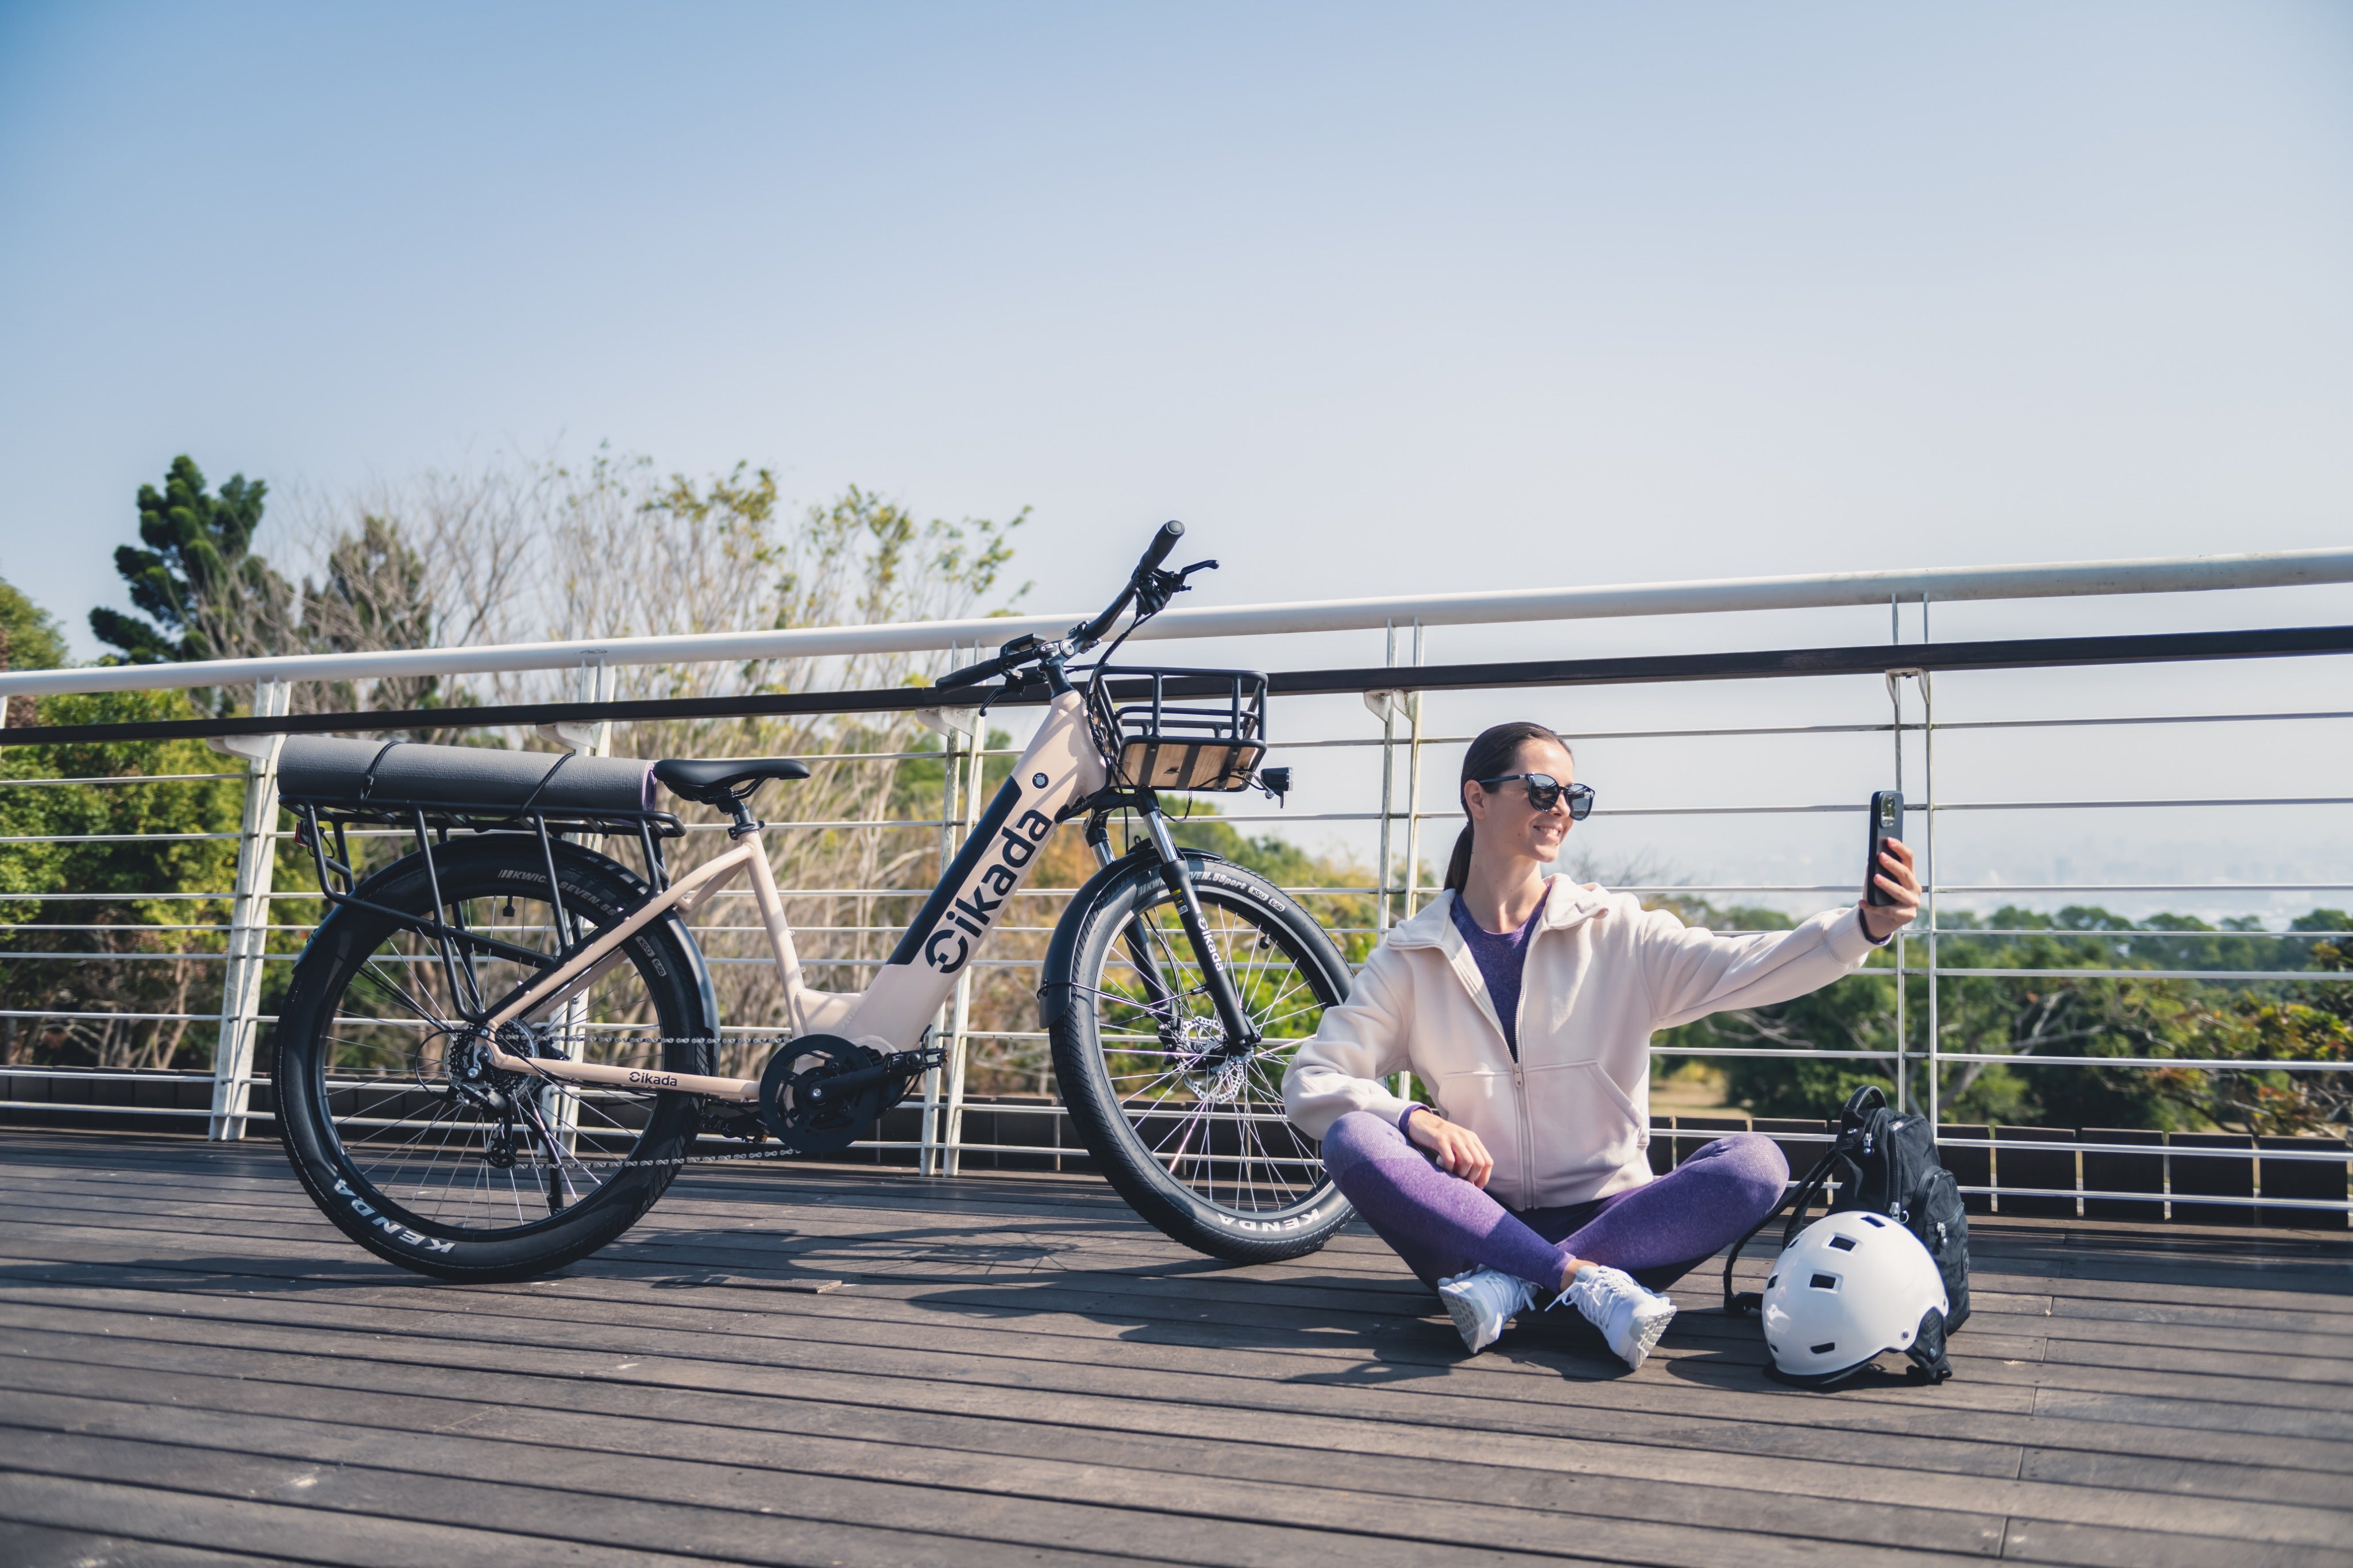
1188 1128
405 1135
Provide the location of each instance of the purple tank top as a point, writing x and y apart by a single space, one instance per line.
1500 960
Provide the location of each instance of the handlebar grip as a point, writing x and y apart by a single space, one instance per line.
969 674
1163 543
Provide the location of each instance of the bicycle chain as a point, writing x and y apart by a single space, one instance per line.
766 1043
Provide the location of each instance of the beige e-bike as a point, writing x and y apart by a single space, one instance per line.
498 1050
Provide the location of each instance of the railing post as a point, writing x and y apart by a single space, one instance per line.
975 775
1413 788
594 683
1902 1019
1385 704
1928 886
248 919
954 727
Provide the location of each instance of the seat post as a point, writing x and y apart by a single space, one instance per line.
739 807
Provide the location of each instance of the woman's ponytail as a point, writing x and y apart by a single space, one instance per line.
1458 867
1490 756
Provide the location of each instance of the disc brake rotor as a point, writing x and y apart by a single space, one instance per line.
1210 1071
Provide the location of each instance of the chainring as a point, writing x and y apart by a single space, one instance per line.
796 1102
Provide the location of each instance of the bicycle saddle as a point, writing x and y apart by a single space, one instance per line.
725 779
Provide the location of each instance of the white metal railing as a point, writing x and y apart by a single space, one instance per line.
1396 812
1941 584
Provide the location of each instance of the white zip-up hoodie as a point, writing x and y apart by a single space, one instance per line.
1570 1119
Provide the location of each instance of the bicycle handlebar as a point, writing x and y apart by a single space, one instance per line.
1087 633
1163 543
1084 635
972 673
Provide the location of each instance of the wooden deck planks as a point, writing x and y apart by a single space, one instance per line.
1019 1370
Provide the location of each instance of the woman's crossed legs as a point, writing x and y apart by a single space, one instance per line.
1442 1225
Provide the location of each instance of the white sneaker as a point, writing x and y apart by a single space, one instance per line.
1629 1317
1481 1301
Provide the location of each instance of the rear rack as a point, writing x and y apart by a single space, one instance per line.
1206 733
431 823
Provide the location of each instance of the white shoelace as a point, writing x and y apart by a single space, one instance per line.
1629 1317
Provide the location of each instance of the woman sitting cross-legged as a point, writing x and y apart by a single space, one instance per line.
1524 1004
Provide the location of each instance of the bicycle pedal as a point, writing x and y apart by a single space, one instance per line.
923 1059
734 1121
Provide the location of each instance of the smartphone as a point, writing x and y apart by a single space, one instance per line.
1886 823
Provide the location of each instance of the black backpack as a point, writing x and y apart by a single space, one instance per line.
1887 1164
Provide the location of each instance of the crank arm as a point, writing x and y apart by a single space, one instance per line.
898 1064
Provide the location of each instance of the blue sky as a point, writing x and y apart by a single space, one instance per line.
1610 293
1378 299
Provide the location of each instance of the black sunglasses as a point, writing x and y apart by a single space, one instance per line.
1545 791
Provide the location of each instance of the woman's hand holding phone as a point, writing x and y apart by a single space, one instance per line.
1460 1152
1898 886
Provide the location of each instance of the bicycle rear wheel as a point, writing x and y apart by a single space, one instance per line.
1191 1133
410 1141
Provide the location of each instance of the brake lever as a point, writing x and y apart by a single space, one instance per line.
1013 683
1155 588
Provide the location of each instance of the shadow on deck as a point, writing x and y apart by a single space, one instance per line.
198 1369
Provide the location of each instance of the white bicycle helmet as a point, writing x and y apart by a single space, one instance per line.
1851 1286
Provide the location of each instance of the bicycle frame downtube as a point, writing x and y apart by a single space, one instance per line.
1061 768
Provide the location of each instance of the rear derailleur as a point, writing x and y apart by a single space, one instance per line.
517 1106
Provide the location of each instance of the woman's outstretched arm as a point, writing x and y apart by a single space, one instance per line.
1691 972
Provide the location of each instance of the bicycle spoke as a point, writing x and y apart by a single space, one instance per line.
1211 1117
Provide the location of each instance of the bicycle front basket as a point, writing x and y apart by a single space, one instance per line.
1182 729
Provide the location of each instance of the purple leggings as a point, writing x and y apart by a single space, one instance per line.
1442 1225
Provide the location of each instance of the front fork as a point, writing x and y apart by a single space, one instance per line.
1240 1036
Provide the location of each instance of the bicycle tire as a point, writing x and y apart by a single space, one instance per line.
1129 1126
345 1105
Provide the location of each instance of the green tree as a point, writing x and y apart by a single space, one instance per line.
29 635
2056 1013
207 594
29 639
101 952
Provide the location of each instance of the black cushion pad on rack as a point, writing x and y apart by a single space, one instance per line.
324 769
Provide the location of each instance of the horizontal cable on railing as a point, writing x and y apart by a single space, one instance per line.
2129 719
2233 1200
2130 933
2233 974
2203 1064
122 779
103 1075
115 837
78 1108
127 926
1858 808
212 1016
141 957
2155 1151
